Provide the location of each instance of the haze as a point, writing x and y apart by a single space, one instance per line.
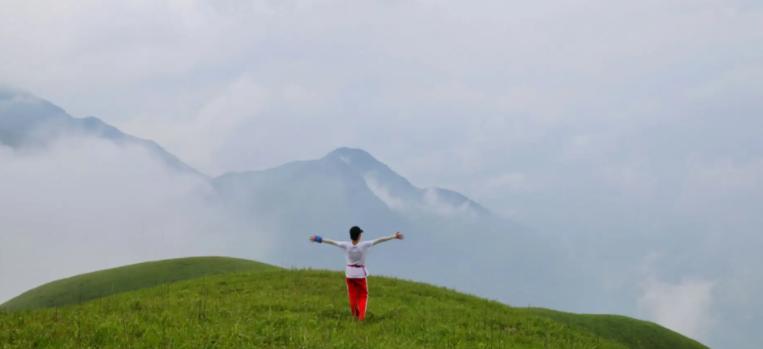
629 132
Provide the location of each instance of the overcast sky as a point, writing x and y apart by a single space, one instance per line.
638 121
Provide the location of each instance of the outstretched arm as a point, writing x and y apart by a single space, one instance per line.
319 239
395 236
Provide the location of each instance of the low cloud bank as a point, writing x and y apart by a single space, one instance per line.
86 203
684 306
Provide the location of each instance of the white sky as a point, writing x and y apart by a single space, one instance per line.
583 118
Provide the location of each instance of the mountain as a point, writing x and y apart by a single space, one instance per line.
306 191
347 185
307 308
398 193
27 121
280 207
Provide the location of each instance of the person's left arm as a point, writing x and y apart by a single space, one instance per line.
395 236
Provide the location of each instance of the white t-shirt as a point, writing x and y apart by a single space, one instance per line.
356 257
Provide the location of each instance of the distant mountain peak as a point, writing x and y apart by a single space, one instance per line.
9 93
352 156
396 191
362 163
29 121
25 106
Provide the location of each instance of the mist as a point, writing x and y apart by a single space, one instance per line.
626 135
84 203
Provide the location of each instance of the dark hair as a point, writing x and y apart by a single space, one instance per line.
355 233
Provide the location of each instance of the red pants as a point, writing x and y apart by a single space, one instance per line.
357 290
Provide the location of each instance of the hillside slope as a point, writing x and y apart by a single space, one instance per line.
307 309
102 283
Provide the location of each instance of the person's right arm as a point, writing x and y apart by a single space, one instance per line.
330 242
319 239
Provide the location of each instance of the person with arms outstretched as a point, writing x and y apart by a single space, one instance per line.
355 272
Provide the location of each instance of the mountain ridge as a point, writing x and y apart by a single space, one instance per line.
29 121
396 186
279 206
393 190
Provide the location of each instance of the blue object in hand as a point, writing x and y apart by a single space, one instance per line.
318 239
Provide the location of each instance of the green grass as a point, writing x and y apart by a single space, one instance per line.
636 333
280 308
102 283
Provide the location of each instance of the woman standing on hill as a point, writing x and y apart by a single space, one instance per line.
355 272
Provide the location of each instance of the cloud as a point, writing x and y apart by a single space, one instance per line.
385 195
87 203
236 105
508 74
684 306
629 131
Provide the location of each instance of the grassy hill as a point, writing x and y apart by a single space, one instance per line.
278 308
102 283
